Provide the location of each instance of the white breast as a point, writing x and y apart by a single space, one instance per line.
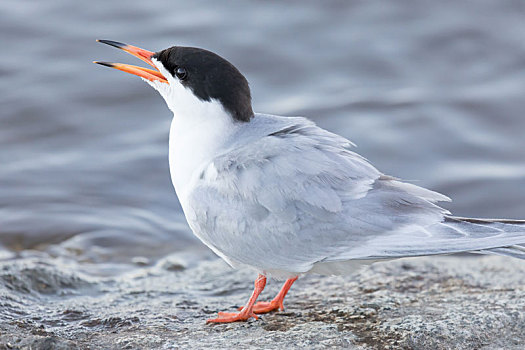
195 138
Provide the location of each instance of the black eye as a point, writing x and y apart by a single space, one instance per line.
181 73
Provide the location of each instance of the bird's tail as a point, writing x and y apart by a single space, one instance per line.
502 227
515 251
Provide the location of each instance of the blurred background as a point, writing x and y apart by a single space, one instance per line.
431 92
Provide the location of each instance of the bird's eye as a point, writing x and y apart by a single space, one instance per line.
181 73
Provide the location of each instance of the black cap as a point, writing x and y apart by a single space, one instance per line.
210 76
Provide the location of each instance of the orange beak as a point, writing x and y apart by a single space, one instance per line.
144 55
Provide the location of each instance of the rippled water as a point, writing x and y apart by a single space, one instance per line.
430 91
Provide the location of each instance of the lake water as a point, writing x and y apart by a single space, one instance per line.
432 92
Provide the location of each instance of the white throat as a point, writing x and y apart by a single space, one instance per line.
199 130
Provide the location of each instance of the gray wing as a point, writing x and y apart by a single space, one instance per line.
299 196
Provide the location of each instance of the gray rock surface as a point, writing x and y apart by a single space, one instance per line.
425 303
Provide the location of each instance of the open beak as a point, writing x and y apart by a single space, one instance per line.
144 55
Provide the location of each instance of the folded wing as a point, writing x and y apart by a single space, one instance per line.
298 196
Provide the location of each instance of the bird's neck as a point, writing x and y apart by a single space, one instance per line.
196 137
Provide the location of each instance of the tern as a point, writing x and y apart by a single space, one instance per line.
285 197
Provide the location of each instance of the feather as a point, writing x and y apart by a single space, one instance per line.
287 197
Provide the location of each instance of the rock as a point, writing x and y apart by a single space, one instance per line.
425 303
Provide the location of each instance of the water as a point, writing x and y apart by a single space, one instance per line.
430 91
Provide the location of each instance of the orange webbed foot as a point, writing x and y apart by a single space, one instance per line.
227 317
263 307
247 311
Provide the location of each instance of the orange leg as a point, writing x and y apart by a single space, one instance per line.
263 307
247 310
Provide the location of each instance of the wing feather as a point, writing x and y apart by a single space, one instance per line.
298 196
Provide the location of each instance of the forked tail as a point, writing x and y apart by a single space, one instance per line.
452 235
508 230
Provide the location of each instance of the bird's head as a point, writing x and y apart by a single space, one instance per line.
191 80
